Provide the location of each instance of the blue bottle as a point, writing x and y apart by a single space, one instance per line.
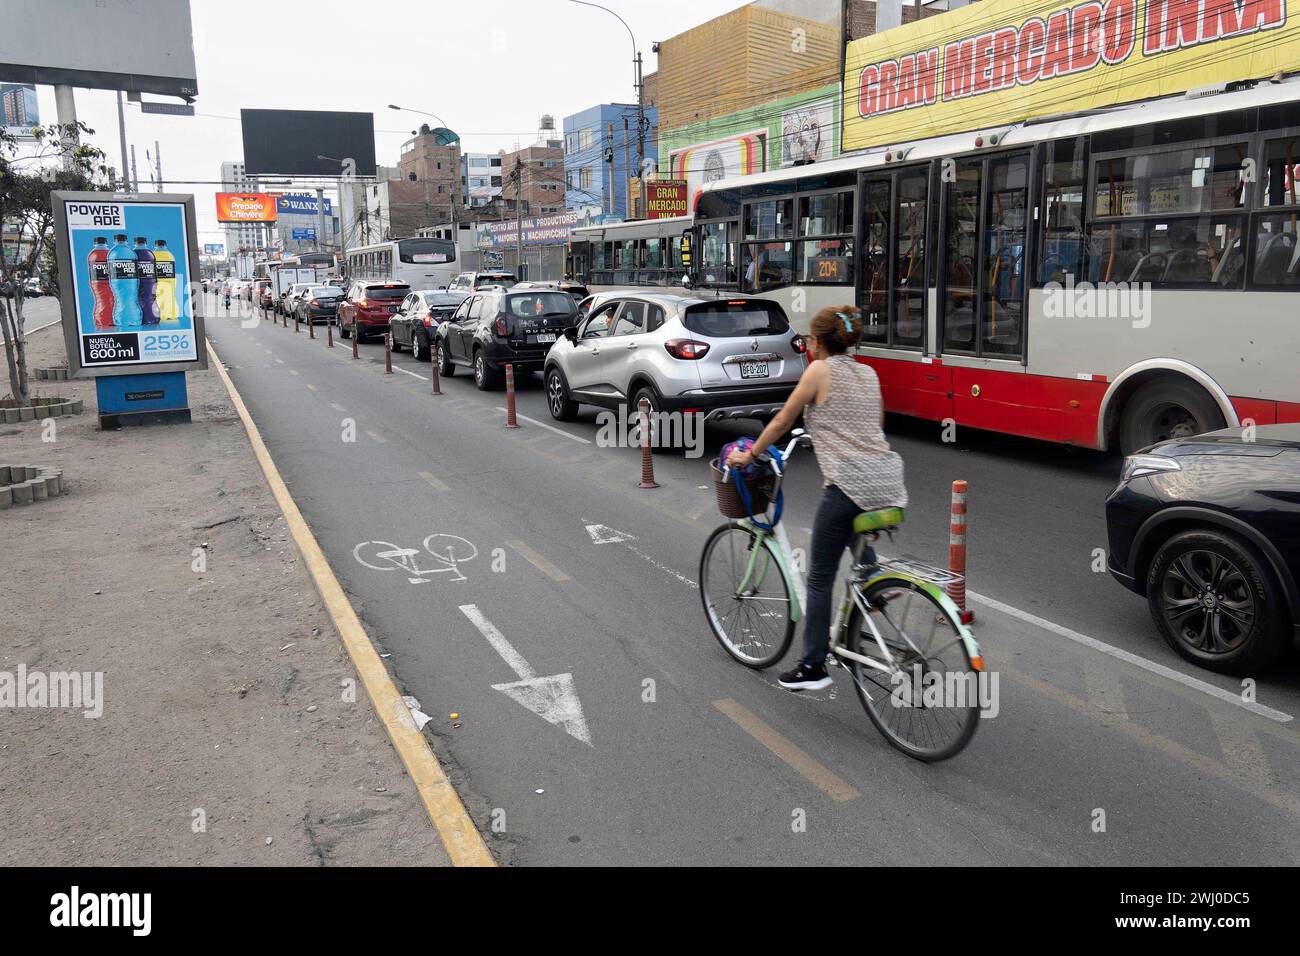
147 278
123 279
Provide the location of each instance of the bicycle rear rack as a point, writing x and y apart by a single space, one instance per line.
926 572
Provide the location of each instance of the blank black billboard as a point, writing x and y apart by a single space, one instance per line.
287 142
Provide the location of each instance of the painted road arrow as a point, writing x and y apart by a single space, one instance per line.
604 534
551 698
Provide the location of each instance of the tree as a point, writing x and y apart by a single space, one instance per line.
25 208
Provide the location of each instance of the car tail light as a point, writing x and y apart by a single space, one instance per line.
428 320
686 348
800 344
501 328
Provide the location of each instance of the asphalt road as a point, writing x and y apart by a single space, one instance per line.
679 755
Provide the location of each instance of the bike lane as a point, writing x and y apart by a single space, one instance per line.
710 762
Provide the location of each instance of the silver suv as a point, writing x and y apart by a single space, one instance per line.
724 358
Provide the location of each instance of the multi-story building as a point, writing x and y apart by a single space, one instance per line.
535 176
480 178
600 151
297 225
432 172
243 236
18 105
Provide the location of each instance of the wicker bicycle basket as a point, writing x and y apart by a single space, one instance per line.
729 502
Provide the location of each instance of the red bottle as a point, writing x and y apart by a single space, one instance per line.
99 286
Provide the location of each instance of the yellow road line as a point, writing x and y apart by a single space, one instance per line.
379 438
311 386
464 844
338 408
539 562
293 371
822 778
438 483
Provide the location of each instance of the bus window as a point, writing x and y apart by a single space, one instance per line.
717 253
1064 178
1277 254
828 258
654 254
875 261
1005 221
773 219
908 314
767 265
961 257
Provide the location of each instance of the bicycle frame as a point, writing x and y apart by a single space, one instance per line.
907 573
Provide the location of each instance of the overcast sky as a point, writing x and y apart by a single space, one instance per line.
489 68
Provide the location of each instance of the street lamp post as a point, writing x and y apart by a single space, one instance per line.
640 98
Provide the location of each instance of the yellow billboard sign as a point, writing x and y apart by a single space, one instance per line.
1002 61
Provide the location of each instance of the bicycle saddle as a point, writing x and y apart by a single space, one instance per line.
878 520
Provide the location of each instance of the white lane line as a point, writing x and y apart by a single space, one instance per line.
338 408
405 371
498 641
537 561
558 431
311 386
1167 672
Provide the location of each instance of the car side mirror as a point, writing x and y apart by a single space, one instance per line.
571 333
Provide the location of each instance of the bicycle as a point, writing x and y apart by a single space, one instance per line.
752 600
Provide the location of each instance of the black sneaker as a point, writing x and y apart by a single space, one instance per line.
804 677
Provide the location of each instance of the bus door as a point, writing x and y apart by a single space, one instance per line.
892 287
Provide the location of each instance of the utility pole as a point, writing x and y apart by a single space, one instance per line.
627 174
135 173
609 158
519 219
320 218
65 107
121 129
640 134
157 160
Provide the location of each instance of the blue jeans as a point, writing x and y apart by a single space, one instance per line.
832 533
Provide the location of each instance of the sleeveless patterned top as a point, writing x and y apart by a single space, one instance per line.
850 445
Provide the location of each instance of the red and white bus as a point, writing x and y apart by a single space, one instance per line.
1107 279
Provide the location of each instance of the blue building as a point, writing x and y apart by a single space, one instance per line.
587 137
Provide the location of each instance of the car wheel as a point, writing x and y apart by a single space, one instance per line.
563 408
484 376
445 365
419 345
1215 600
1166 409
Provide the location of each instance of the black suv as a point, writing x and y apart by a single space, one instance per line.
499 327
1208 530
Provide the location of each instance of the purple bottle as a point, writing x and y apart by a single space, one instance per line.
146 272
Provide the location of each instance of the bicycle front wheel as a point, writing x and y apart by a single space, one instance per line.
927 704
747 602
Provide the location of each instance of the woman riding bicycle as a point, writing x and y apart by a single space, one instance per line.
840 400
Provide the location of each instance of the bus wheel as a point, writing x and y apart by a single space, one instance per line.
1165 409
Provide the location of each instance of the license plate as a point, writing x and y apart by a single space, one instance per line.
753 370
544 337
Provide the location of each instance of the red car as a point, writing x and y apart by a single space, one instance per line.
368 307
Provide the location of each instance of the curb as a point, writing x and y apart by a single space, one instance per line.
463 842
38 413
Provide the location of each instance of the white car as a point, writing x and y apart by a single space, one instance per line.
296 291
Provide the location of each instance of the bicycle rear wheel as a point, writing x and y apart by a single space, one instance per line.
756 625
929 706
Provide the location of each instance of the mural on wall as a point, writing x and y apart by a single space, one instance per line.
807 133
703 163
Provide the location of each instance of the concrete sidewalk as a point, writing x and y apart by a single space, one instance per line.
233 730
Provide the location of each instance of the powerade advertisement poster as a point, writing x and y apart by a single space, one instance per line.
130 272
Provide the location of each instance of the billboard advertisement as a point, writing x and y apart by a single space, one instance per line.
304 235
666 198
128 265
245 207
100 44
292 205
537 230
18 109
289 142
720 159
214 248
1004 61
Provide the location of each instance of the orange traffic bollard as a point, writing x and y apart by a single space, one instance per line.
510 397
296 330
433 374
354 341
329 334
647 459
388 353
957 550
311 328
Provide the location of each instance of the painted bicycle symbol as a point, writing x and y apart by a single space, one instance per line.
448 551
